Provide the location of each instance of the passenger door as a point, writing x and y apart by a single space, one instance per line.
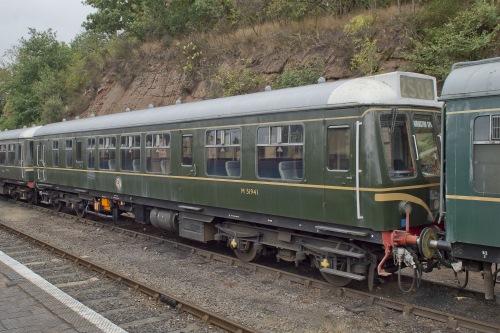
79 154
40 158
340 175
21 159
188 167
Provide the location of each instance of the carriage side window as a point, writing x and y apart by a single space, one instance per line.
107 153
486 154
130 153
55 153
222 152
187 150
68 152
158 153
339 154
425 137
91 153
280 152
11 153
396 144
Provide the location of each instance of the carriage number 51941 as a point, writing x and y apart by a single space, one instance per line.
249 191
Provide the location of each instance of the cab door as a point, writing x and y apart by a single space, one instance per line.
340 175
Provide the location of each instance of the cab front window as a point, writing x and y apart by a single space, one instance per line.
427 151
394 131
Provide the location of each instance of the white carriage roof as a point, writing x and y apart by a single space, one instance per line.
19 133
472 79
380 89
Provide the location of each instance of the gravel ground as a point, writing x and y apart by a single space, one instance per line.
258 300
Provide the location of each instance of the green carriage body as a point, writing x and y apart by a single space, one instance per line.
327 194
16 162
472 96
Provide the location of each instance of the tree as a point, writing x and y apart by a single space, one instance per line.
471 35
4 79
112 16
39 59
52 110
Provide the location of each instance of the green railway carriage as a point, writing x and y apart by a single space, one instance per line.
324 171
472 96
16 163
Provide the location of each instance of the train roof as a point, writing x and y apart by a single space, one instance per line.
19 133
472 79
379 89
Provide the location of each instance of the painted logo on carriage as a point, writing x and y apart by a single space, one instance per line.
118 183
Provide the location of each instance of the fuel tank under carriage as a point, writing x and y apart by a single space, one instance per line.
330 171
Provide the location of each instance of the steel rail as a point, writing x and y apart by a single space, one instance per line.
452 321
158 295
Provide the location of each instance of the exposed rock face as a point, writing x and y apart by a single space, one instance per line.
155 73
157 86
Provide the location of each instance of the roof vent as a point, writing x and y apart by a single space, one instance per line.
150 106
92 115
268 88
321 80
77 117
128 110
64 119
25 126
178 101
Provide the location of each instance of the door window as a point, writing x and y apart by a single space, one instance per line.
187 150
339 155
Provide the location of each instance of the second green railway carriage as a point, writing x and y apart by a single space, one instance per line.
472 96
327 171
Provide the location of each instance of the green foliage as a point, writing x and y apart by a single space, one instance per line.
4 79
471 35
39 60
153 19
191 58
237 81
90 56
298 75
434 13
207 15
52 110
154 22
112 16
359 24
365 58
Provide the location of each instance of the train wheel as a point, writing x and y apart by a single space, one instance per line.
15 196
334 280
57 206
81 209
251 254
31 198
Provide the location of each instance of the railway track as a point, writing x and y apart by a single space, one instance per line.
112 294
451 320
